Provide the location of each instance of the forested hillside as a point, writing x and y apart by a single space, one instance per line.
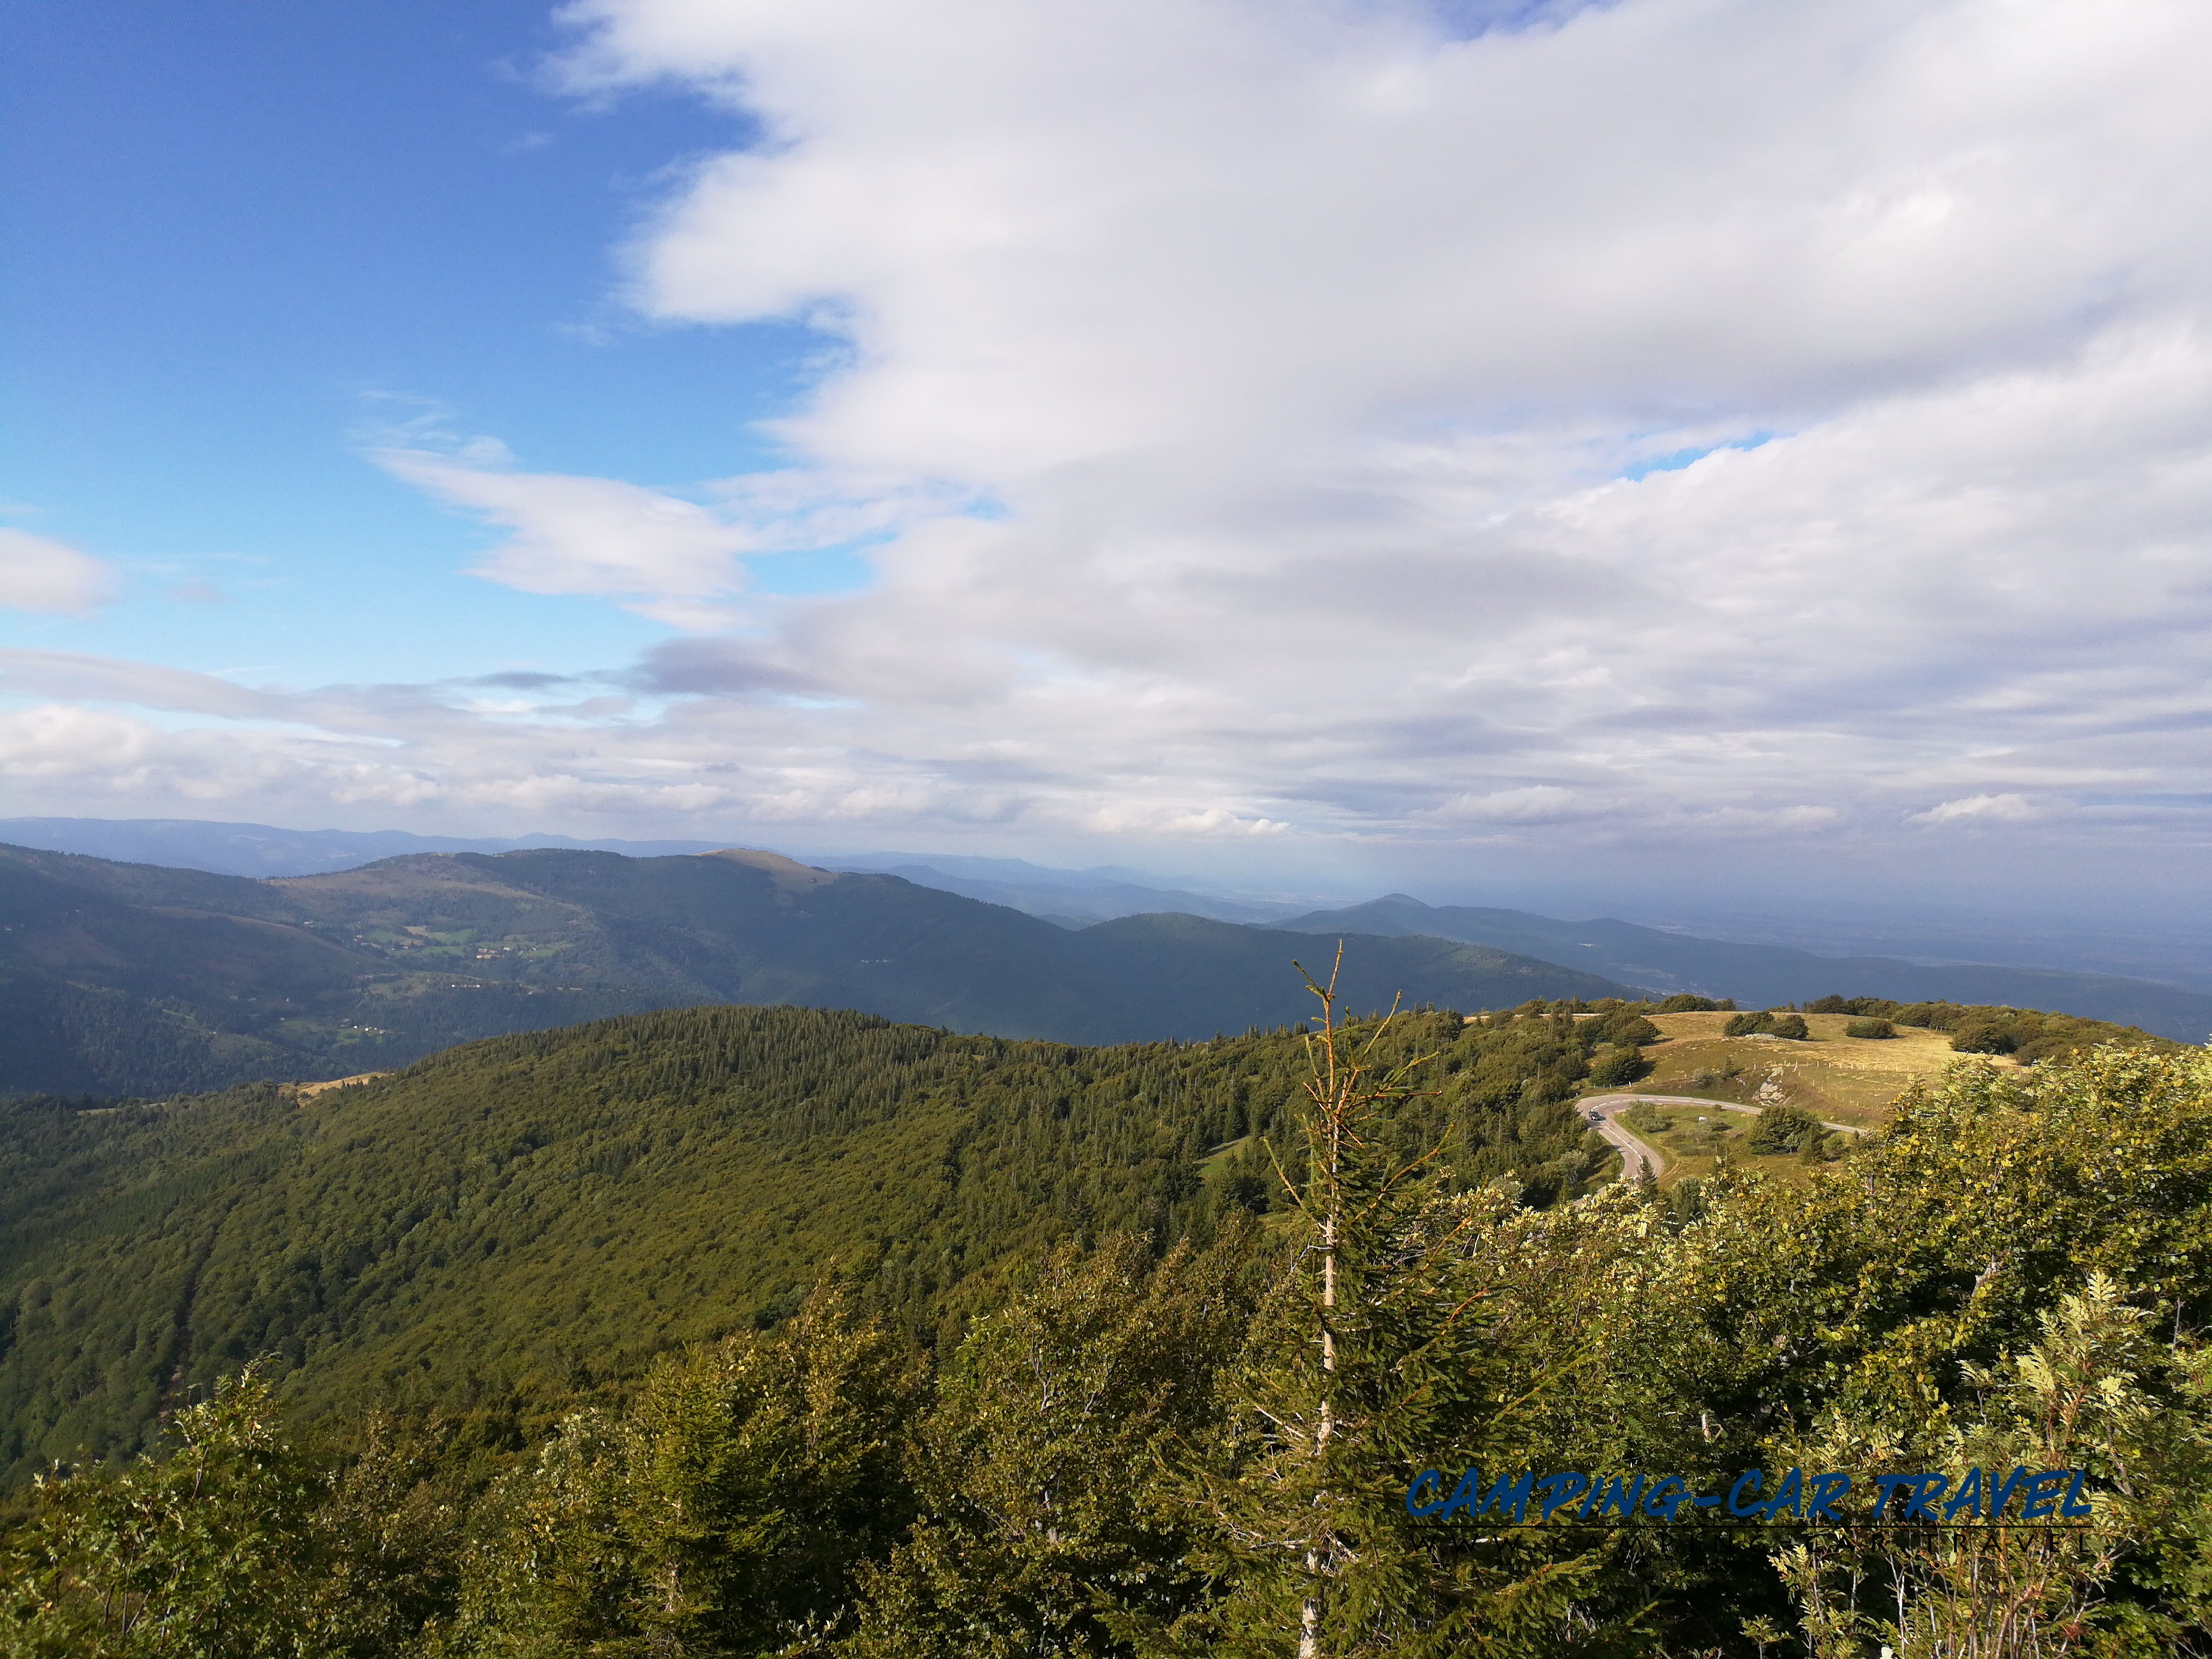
535 1211
132 979
1187 1427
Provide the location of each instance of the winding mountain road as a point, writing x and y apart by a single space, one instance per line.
1605 1111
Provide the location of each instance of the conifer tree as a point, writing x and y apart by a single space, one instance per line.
723 1512
1369 1361
1034 1472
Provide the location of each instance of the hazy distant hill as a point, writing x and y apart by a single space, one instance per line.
126 978
262 849
1072 896
1759 975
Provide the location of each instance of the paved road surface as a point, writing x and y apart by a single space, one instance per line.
1631 1147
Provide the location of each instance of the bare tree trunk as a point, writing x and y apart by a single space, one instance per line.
1333 1109
1309 1616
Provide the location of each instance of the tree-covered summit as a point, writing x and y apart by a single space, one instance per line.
530 1214
132 979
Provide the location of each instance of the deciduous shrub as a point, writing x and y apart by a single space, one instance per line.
1618 1066
1984 1037
1785 1128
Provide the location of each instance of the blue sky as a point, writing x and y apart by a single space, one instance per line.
1668 445
257 234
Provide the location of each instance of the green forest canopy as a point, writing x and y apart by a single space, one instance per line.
538 1210
528 1215
500 1286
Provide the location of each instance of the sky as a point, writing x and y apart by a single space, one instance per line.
1757 451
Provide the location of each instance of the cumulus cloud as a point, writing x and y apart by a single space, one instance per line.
1247 412
1316 357
1054 231
39 574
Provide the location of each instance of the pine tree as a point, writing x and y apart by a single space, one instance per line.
1369 1361
1035 1471
724 1511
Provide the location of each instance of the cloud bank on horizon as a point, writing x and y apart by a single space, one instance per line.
1711 424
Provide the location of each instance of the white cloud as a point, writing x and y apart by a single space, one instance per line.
1302 344
1535 803
662 556
1056 231
56 740
1980 809
596 536
86 679
1300 350
39 574
1169 821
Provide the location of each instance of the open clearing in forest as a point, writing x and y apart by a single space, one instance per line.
1848 1079
1838 1078
309 1091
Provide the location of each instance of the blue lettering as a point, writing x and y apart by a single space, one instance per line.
1967 1498
2041 1503
1513 1501
1887 1484
2017 1478
2072 1509
1828 1488
1426 1478
1466 1495
1786 1496
1561 1490
1979 1493
1611 1494
1926 1489
1666 1497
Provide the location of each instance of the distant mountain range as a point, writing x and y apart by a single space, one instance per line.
1070 898
1762 975
1624 952
262 849
130 978
1073 898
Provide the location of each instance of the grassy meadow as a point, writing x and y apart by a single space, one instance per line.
1842 1080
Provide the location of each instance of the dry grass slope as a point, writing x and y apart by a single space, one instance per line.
1835 1077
